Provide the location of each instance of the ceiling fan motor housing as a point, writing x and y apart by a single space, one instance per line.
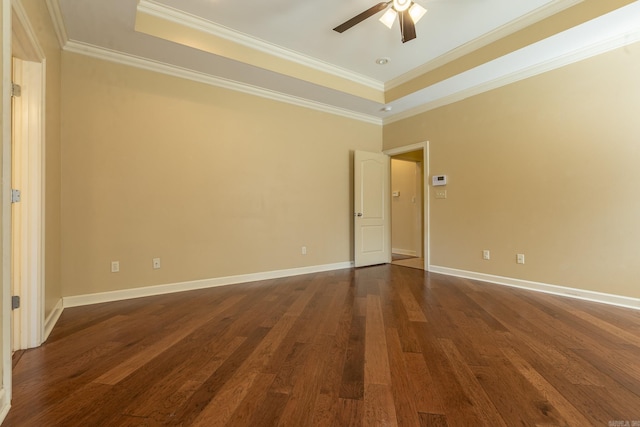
401 5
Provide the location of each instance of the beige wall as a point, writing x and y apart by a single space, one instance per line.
547 167
405 208
214 182
40 20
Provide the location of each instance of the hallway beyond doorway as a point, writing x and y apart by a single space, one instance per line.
407 261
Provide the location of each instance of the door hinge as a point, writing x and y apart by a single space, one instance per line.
15 302
16 195
16 90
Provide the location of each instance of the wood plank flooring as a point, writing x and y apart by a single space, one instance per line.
378 346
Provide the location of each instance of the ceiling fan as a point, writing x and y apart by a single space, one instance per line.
408 13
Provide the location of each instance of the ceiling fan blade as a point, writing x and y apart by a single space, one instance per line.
407 27
361 17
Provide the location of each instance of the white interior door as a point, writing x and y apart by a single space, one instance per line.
372 225
27 216
17 131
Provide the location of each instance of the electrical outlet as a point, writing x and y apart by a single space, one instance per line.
156 263
304 250
520 258
115 266
486 254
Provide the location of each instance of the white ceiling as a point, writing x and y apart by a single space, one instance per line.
303 28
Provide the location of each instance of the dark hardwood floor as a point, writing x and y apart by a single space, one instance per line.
378 346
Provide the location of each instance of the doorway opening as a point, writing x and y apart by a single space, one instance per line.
410 205
407 209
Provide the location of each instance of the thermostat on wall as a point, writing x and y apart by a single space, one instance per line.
438 180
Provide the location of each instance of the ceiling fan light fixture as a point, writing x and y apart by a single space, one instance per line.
401 5
416 12
389 17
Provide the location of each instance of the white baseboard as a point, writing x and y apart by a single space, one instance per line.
403 252
78 300
52 319
5 405
582 294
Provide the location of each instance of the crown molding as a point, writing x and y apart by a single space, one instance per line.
58 22
179 17
484 40
575 55
171 70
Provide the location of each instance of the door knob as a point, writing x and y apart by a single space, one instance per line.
358 214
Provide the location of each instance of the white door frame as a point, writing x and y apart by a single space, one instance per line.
28 255
424 146
5 391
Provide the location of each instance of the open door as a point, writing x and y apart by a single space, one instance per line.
372 225
27 216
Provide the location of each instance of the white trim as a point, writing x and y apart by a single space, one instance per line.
52 319
462 86
405 149
407 252
79 300
162 11
171 70
614 30
6 209
5 405
426 232
58 21
583 294
524 21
